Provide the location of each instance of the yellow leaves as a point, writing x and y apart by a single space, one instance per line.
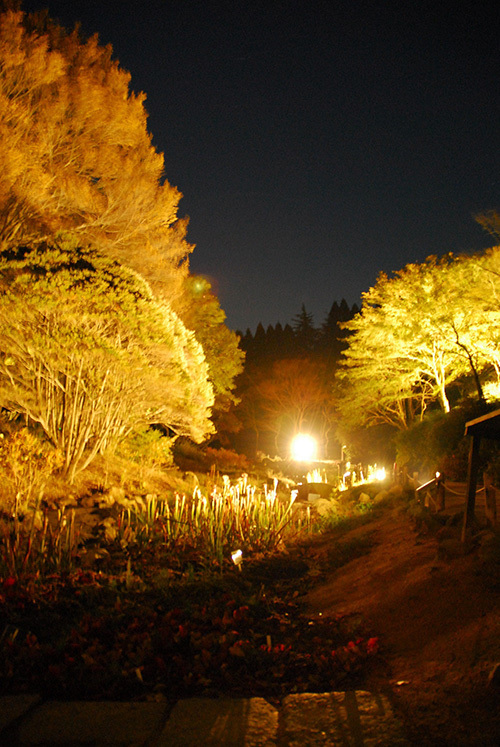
77 160
75 152
25 464
87 335
27 63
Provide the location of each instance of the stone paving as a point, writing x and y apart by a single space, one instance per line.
348 719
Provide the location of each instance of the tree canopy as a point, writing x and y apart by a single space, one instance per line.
201 312
89 354
104 330
429 326
76 154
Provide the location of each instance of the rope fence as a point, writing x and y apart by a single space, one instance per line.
462 493
435 493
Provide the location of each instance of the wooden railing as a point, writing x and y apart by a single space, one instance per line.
440 496
433 492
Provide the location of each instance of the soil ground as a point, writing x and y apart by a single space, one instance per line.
438 622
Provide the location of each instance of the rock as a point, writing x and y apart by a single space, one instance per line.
12 707
110 529
136 503
104 723
323 506
395 491
89 557
105 502
126 503
381 496
68 502
113 495
338 718
36 518
364 498
221 722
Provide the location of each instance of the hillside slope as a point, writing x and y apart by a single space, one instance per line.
438 621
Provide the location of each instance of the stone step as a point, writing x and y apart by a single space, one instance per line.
353 718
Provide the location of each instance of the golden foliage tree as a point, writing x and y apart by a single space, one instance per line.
431 325
75 152
399 355
89 354
201 312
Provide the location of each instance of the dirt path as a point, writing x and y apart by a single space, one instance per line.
438 623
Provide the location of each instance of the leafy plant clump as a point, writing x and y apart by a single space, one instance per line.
85 639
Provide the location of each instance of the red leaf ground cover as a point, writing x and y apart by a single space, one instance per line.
86 636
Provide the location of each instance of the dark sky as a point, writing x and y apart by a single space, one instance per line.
316 143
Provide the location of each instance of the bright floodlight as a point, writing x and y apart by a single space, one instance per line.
303 448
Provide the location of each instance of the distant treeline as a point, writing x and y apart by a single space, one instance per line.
300 338
287 384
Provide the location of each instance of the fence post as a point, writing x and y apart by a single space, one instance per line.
490 493
470 498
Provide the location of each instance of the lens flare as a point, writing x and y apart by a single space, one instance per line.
303 448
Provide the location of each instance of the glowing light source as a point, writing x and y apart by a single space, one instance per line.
380 474
303 448
237 558
315 476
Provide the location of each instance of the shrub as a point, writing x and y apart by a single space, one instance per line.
25 465
189 456
437 442
148 447
226 460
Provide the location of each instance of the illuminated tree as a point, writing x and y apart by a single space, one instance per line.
371 393
89 354
200 311
430 325
490 221
285 398
402 352
75 153
479 323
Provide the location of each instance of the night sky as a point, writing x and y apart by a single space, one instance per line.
315 143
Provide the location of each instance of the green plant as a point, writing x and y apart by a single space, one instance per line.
238 516
345 513
159 613
148 447
438 441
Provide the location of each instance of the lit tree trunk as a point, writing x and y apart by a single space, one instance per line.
475 374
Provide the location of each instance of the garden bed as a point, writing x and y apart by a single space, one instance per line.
90 637
136 612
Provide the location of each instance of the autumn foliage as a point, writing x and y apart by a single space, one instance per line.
93 257
90 354
76 154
